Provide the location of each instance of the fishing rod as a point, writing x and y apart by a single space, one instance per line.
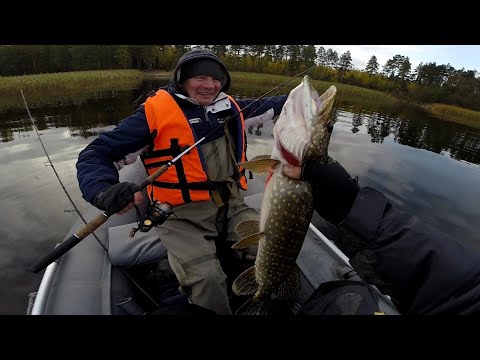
91 226
73 240
76 209
276 87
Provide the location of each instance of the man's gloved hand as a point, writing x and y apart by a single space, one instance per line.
334 190
117 197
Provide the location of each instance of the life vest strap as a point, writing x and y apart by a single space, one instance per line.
174 150
204 185
161 153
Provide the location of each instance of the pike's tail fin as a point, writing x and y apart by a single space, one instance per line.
255 306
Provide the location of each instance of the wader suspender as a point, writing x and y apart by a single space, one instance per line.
236 174
225 191
223 250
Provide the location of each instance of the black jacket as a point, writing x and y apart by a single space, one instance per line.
423 270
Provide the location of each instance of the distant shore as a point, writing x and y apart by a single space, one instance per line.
100 80
157 75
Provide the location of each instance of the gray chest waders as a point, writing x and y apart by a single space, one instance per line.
224 252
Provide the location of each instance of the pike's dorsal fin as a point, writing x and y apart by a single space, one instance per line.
245 283
260 164
289 289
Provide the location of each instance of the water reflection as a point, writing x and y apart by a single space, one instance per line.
404 124
417 129
423 164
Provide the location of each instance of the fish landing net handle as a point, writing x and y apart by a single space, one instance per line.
91 226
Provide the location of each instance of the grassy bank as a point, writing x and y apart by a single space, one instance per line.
270 81
63 88
454 114
359 95
76 80
355 96
80 81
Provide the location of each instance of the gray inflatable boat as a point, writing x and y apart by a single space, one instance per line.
112 274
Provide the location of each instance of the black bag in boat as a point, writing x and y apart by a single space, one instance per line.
341 297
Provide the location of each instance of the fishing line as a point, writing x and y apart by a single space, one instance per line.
54 170
48 157
90 227
76 209
231 117
330 123
275 88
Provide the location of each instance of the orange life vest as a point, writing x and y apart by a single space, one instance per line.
186 180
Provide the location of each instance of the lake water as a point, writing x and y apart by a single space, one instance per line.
427 166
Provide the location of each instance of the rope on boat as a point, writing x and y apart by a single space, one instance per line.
31 300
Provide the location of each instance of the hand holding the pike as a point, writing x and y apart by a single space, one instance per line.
119 198
301 134
333 188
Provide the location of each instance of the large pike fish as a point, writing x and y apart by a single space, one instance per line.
301 133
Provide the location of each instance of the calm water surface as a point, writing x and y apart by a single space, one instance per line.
424 165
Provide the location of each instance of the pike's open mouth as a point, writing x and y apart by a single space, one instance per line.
288 156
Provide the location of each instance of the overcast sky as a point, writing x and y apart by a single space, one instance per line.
466 56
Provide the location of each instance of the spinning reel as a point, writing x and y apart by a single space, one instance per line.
156 215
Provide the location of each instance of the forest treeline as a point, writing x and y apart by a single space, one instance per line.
427 83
